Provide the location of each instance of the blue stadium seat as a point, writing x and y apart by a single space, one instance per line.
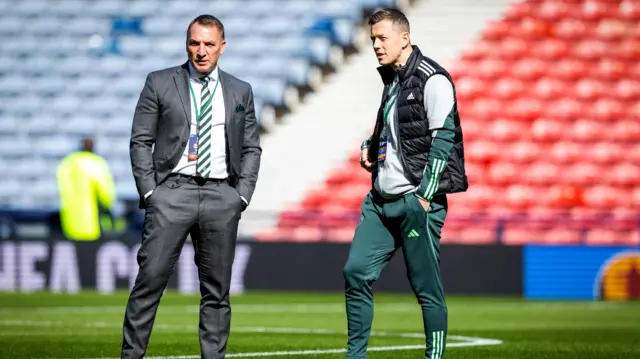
8 126
27 8
105 8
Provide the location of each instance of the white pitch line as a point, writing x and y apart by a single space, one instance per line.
475 342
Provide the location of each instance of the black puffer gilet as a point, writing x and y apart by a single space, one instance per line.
413 126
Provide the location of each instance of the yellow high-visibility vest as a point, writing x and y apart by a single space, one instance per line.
84 183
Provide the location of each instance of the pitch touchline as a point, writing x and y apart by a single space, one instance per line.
475 342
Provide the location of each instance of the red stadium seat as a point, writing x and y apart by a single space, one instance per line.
588 130
610 68
490 69
628 89
542 173
563 196
624 130
614 29
512 48
340 175
502 130
565 109
625 174
632 153
480 196
590 49
606 236
341 235
544 130
477 235
475 172
524 109
549 88
551 49
607 110
508 88
627 49
596 10
561 236
481 151
521 197
523 152
484 109
566 152
629 10
306 234
473 129
518 11
495 30
468 88
462 68
552 11
635 197
570 29
274 235
528 69
581 174
571 69
605 153
603 197
503 173
519 236
590 89
532 28
480 50
315 198
634 112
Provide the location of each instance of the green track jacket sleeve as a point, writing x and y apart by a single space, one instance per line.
438 102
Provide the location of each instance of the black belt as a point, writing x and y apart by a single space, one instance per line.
196 179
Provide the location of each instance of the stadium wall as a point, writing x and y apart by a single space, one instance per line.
59 265
534 272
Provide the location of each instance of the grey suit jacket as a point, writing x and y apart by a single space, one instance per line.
161 124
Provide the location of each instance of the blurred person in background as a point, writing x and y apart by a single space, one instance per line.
196 181
87 194
416 157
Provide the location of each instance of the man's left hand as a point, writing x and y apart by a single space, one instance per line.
424 203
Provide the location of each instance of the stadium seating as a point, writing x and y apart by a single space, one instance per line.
73 68
550 104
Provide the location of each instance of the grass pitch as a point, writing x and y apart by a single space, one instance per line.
312 325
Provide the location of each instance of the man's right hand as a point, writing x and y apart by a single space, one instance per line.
364 160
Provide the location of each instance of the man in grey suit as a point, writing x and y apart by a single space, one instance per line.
197 180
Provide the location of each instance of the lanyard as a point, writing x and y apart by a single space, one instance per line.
195 104
389 104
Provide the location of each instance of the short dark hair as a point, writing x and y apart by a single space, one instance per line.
206 20
396 16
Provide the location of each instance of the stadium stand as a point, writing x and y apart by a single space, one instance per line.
74 68
549 100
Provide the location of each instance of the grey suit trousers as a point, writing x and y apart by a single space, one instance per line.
209 211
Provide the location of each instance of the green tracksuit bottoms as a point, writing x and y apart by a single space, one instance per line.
385 225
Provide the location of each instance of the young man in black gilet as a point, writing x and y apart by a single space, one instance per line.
416 157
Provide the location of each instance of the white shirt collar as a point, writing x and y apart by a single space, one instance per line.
213 76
